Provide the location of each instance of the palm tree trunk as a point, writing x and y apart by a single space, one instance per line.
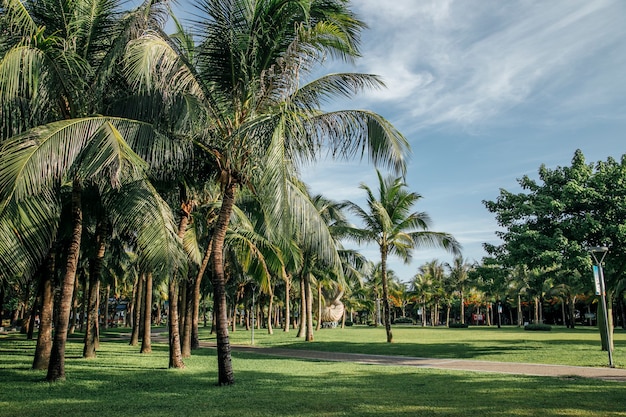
56 367
83 307
188 311
387 310
176 357
309 308
74 306
138 296
303 301
319 306
225 366
107 295
520 315
95 273
91 330
287 304
44 338
175 350
462 309
146 341
270 329
182 306
195 338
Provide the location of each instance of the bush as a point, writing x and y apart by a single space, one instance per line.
348 323
371 323
458 325
403 320
538 327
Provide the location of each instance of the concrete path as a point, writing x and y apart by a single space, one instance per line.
610 374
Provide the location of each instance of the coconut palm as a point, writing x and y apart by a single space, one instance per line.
388 222
257 121
459 279
70 52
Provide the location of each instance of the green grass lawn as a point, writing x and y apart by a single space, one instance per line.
580 347
122 382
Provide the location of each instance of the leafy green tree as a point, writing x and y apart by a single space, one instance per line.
554 220
389 222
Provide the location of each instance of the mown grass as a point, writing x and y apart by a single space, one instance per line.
580 347
122 382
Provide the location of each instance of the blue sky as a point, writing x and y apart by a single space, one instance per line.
485 91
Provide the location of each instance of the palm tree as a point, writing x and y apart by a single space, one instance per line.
459 280
244 80
72 56
429 286
389 223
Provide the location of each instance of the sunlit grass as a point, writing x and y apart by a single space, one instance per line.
121 381
580 347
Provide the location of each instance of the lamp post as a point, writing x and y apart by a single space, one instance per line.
598 253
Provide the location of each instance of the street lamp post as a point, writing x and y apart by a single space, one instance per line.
600 252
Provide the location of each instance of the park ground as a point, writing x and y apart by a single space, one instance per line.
120 381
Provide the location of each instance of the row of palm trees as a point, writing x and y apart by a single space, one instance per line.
162 156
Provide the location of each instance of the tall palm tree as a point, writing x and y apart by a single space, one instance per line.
459 279
253 115
71 51
389 222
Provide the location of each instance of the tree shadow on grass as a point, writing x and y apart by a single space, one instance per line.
291 387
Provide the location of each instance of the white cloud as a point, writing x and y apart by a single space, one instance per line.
467 62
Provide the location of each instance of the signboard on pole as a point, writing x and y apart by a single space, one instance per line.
596 278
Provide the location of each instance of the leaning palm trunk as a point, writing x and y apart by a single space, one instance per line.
303 301
138 296
74 306
56 367
95 264
91 331
387 310
146 340
270 329
175 352
195 339
225 367
44 338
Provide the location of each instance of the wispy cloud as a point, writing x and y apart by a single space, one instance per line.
454 62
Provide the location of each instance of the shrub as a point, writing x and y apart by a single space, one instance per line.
538 327
403 320
458 325
348 323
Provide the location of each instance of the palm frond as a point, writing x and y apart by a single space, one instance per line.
19 21
138 212
27 231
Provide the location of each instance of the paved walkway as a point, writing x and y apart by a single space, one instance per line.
610 374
